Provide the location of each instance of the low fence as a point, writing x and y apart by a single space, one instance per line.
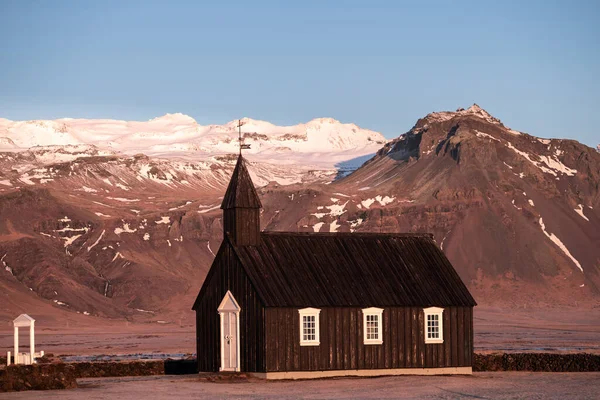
64 375
537 362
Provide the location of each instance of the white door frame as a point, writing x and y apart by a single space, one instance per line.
229 305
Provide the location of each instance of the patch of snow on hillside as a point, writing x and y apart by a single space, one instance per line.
551 164
554 163
163 220
531 203
6 267
508 166
354 224
65 219
88 189
333 227
123 200
560 244
317 226
485 135
382 200
96 242
146 236
209 209
367 203
337 210
101 215
124 229
5 182
181 206
579 210
69 240
121 186
118 255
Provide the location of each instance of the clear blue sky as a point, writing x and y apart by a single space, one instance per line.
381 64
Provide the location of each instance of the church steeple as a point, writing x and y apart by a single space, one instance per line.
241 208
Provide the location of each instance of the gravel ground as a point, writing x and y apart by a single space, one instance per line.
487 385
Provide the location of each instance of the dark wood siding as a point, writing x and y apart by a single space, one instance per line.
243 225
341 340
227 274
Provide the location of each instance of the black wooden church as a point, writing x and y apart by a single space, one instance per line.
308 305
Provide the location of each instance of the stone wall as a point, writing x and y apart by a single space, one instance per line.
64 375
537 362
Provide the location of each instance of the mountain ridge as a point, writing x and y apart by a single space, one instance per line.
100 232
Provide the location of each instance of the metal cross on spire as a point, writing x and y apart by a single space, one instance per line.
241 140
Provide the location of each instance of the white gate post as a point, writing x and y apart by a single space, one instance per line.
32 341
8 359
16 345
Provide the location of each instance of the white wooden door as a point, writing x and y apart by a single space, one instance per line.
229 339
229 311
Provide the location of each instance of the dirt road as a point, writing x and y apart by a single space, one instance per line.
488 385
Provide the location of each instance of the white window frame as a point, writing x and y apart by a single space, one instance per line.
310 312
440 314
379 313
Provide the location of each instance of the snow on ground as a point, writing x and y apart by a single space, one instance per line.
552 165
317 226
118 255
531 202
101 215
209 209
579 210
146 236
5 182
381 200
124 229
355 224
560 244
88 189
163 220
96 242
6 267
333 227
124 200
181 206
485 135
341 194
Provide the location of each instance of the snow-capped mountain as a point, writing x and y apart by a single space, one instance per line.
322 141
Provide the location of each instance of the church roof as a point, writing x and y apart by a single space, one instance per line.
351 270
240 192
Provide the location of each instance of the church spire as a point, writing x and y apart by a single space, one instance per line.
241 207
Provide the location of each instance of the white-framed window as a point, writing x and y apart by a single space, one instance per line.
434 325
309 326
372 323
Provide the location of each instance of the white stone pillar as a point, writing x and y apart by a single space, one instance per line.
16 345
32 341
8 359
